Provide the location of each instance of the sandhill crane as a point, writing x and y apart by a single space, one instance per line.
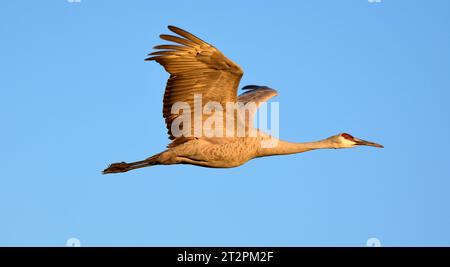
196 67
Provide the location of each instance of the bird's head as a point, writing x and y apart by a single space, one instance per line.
345 140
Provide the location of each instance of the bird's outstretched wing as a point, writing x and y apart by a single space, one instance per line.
254 94
195 67
257 94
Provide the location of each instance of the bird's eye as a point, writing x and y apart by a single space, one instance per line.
347 136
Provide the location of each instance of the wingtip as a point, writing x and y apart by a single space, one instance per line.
175 29
248 89
250 86
254 86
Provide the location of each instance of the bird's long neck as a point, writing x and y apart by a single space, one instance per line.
285 148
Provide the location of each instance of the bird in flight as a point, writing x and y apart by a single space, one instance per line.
201 75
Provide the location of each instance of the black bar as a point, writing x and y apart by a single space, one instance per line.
148 256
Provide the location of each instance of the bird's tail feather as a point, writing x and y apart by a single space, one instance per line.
124 167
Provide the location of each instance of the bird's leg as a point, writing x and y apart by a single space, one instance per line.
124 167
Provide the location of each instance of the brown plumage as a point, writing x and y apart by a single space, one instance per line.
196 67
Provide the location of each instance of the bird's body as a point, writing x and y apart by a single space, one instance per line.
213 152
199 70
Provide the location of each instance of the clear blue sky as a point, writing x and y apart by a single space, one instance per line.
76 95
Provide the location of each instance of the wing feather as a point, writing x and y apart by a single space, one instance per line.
195 67
255 94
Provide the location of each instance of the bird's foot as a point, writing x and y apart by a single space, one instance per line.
117 167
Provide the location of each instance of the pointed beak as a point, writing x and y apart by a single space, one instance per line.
361 142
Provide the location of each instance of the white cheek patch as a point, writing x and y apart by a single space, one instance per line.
346 143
